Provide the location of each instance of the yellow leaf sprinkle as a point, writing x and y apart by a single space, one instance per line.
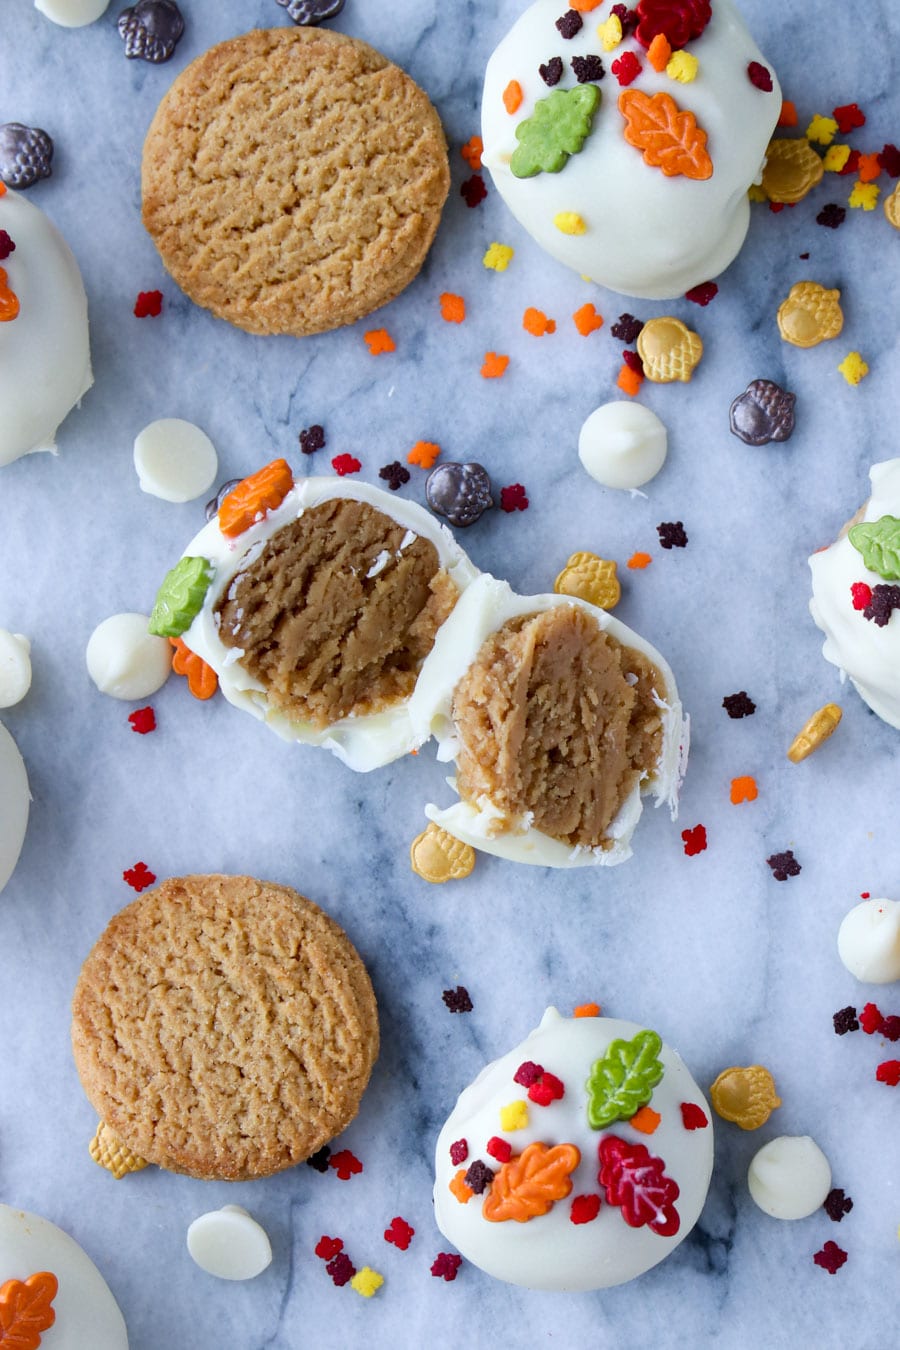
864 195
610 32
683 67
498 257
853 368
822 130
836 157
366 1281
569 222
514 1116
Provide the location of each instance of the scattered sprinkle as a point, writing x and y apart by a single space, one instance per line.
535 322
424 454
671 534
312 439
693 1117
458 1188
694 840
629 380
739 705
498 257
845 1020
546 1089
453 307
830 1258
851 164
835 158
784 865
344 464
457 1000
328 1247
512 97
584 1208
514 1116
788 115
319 1159
341 1269
479 1177
587 68
527 1073
345 1163
473 190
890 1028
870 1019
860 595
551 73
139 877
869 168
366 1281
148 304
459 1151
569 222
6 246
633 361
626 68
143 720
446 1266
761 78
836 1204
394 474
513 498
889 1072
702 294
638 561
646 1120
627 329
379 341
587 1010
822 130
744 789
848 116
587 320
831 216
472 152
890 160
682 66
885 599
498 1148
494 366
659 51
610 32
865 196
570 24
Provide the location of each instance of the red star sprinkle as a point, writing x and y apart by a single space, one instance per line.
142 720
139 877
889 1072
459 1152
861 595
702 294
341 1269
830 1258
499 1148
399 1233
446 1265
626 68
328 1247
847 117
584 1208
473 190
546 1089
345 1163
148 304
693 1117
343 464
513 498
694 840
870 1019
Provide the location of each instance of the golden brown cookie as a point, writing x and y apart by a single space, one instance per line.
224 1027
293 180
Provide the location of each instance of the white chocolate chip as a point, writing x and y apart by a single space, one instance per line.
229 1244
15 668
126 661
869 941
175 460
789 1177
622 445
72 13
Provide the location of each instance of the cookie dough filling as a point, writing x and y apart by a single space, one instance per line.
558 722
337 613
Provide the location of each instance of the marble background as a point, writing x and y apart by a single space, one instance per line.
731 966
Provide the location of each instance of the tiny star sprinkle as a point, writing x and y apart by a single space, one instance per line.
853 368
139 877
424 453
366 1281
584 1208
587 320
864 195
148 304
494 366
341 1269
472 152
458 1188
319 1159
848 117
743 789
446 1266
835 158
453 307
638 561
783 865
646 1120
889 1072
682 66
836 1204
379 341
514 1116
830 1258
845 1020
610 32
143 720
694 840
473 190
739 705
345 1163
513 498
327 1248
344 464
822 130
536 322
498 257
457 1000
570 222
693 1117
587 1010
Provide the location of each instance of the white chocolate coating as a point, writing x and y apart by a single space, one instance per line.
87 1315
15 668
623 445
486 606
551 1252
869 941
175 460
72 13
14 802
868 654
646 234
789 1177
45 360
229 1244
126 661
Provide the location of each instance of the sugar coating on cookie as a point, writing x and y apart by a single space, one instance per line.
16 799
224 1027
645 228
86 1314
588 1154
45 360
862 630
293 180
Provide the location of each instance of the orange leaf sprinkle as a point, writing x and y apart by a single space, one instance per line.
587 320
494 366
202 679
639 561
423 453
472 152
646 1120
459 1188
512 97
453 307
254 497
9 301
379 341
659 51
869 168
630 381
744 789
2 189
587 1010
668 136
531 1182
584 6
535 322
788 115
25 1310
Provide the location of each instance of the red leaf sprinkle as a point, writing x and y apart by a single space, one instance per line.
139 877
399 1233
142 720
148 304
345 1163
693 1116
694 840
830 1258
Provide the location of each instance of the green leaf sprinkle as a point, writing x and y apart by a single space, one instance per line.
623 1080
879 543
180 597
556 129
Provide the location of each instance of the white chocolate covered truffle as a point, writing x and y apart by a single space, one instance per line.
45 361
605 212
175 460
72 13
869 941
87 1315
229 1244
789 1177
14 803
126 661
613 1192
15 668
623 445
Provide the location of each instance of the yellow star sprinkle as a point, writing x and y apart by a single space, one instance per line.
683 67
864 195
853 368
498 257
366 1281
569 222
836 157
610 33
822 130
514 1116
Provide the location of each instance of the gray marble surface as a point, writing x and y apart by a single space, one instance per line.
731 966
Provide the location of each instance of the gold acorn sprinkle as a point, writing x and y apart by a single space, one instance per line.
590 578
815 732
668 350
792 169
810 315
108 1151
437 856
745 1096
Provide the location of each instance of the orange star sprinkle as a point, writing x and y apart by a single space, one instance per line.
459 1188
472 152
453 307
587 1010
587 320
494 366
744 790
646 1120
423 453
535 322
788 115
379 341
639 561
869 168
630 381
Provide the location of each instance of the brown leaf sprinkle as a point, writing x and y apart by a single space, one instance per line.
25 1310
668 135
530 1183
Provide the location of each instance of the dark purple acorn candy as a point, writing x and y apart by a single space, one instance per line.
212 506
461 492
311 12
25 154
151 29
763 413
